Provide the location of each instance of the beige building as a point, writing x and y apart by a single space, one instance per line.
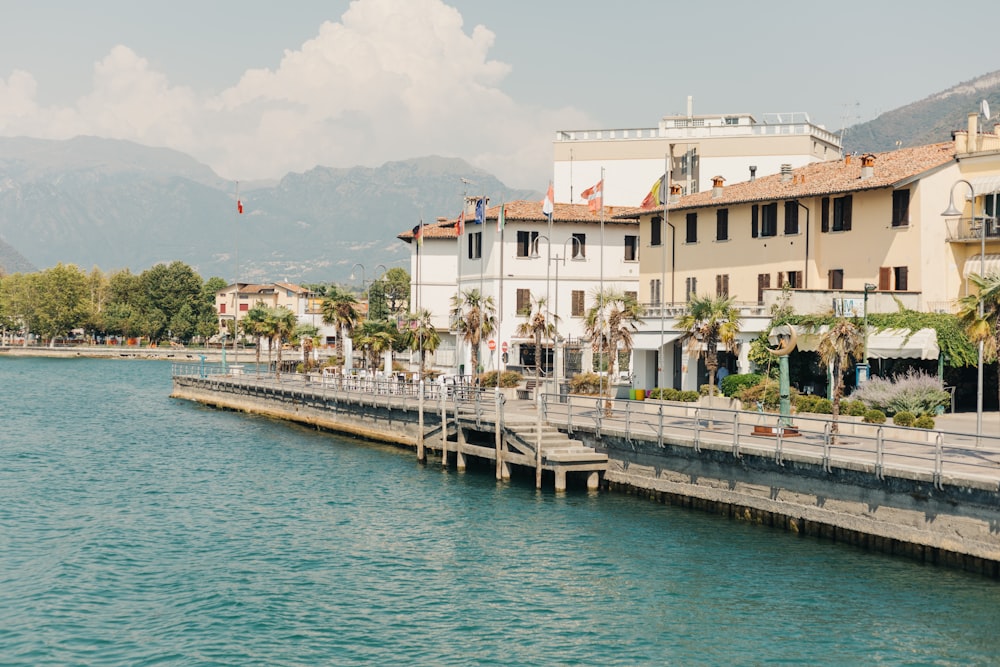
697 147
233 302
825 230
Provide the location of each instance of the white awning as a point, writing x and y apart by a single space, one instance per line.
885 344
974 265
985 185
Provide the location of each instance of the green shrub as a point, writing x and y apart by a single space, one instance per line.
904 418
824 406
703 390
806 403
689 396
915 392
488 379
853 408
924 421
874 417
506 379
766 393
585 383
731 385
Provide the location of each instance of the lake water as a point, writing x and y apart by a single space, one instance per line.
137 529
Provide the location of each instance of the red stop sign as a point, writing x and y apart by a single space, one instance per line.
504 346
493 345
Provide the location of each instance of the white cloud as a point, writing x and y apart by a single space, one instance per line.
391 80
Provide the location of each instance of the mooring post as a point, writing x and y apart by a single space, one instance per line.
421 455
498 428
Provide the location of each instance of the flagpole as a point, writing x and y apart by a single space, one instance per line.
421 456
600 377
501 223
664 193
236 279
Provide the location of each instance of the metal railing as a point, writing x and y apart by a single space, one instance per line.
937 454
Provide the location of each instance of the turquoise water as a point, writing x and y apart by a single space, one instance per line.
141 530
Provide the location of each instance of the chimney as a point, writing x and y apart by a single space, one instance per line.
675 193
847 159
786 173
753 173
717 187
690 106
867 166
973 132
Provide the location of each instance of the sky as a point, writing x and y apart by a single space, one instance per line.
256 89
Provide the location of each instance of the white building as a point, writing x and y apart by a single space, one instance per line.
563 263
736 147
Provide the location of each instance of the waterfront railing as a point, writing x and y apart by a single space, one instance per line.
936 454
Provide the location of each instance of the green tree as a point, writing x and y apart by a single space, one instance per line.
17 295
163 290
708 322
983 328
340 309
538 324
841 344
396 290
610 323
62 299
474 317
284 323
421 336
255 323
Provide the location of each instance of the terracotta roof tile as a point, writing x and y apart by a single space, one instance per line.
823 178
524 211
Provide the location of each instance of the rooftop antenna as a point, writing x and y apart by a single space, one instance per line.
843 122
984 108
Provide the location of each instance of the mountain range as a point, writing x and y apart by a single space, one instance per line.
116 204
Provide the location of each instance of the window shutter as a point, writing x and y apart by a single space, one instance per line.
781 279
847 212
884 274
825 207
754 221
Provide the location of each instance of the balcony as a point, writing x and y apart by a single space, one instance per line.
969 230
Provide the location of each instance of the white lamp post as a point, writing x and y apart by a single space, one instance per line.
953 212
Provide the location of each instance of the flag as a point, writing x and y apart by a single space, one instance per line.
594 196
460 223
239 206
418 233
501 218
480 210
655 196
547 204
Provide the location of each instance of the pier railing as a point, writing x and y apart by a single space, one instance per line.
935 454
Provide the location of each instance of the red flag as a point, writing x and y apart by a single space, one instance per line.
594 196
548 202
239 206
655 196
460 223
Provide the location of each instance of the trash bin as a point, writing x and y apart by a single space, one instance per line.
640 394
563 392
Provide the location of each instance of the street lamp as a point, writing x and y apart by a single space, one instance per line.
555 323
548 269
953 212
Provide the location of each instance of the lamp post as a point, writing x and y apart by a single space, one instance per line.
555 321
953 212
548 270
864 357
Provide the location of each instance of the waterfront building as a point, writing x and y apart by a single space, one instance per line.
234 300
530 259
824 230
735 146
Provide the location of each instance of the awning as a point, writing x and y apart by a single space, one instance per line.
985 185
973 265
884 344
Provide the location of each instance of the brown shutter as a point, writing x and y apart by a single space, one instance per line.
884 278
825 208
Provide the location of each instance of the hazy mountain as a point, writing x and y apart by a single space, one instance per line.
116 204
928 121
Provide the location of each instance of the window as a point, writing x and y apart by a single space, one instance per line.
579 244
793 279
655 294
769 219
631 248
690 288
655 230
631 296
842 214
523 301
722 224
835 279
824 207
732 120
791 217
692 228
244 307
900 208
526 242
577 303
475 245
222 309
763 283
722 285
900 274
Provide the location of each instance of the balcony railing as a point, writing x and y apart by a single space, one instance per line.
970 230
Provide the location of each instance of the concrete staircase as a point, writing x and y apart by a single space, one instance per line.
557 447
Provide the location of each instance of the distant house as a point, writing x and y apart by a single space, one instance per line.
233 302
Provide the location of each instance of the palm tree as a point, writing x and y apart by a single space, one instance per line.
340 310
306 335
538 324
840 345
255 324
284 322
708 322
610 323
475 317
421 335
984 328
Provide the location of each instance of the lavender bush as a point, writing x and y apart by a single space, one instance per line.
915 392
